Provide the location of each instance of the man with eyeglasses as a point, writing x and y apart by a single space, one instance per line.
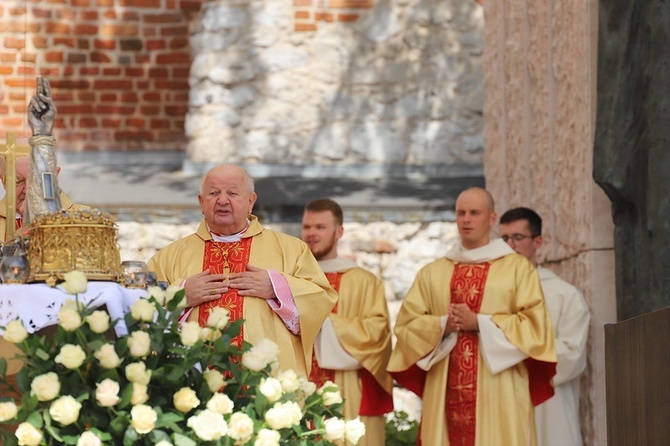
474 338
556 420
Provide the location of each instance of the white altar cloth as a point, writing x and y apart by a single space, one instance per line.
37 304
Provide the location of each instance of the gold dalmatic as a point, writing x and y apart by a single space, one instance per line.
467 286
226 258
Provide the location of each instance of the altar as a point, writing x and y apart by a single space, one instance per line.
37 306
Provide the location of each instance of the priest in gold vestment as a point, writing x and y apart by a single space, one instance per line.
354 345
474 338
270 279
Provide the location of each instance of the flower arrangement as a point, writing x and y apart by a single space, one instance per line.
164 383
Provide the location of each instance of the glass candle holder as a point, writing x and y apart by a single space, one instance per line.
134 274
14 269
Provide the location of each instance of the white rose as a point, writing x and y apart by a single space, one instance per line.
189 333
170 293
354 430
163 443
334 429
143 418
208 425
283 415
75 282
268 350
107 392
139 344
143 310
74 304
157 293
240 427
253 361
214 379
220 403
185 400
65 410
107 356
271 388
140 394
28 435
137 373
98 321
8 410
260 355
289 380
15 332
69 318
209 334
71 356
306 387
89 438
218 318
330 393
45 387
267 437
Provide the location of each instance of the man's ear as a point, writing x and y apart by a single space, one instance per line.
537 241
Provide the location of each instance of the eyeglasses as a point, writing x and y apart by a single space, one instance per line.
516 238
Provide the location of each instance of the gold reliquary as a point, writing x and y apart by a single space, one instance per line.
85 240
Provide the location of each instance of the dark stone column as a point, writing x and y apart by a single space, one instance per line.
632 147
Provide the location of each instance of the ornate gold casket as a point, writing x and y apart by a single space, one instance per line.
85 240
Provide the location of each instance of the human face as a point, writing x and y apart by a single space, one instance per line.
474 218
22 166
226 200
321 233
527 245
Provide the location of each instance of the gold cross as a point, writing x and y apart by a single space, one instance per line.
10 152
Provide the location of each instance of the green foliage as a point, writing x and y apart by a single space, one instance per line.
401 430
173 366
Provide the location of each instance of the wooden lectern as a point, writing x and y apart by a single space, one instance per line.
637 369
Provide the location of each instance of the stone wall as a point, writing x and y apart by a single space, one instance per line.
540 65
400 85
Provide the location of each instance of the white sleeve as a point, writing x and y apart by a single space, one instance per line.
499 353
441 350
329 352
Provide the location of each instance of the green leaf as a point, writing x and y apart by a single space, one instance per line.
183 440
40 353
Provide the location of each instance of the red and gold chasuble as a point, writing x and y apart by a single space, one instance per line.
226 258
318 375
467 286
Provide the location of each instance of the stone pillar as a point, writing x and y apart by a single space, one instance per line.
539 113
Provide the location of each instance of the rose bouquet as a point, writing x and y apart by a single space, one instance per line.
164 383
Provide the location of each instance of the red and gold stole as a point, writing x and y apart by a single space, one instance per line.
467 286
318 375
226 258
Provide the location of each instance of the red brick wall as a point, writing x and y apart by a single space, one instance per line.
308 13
118 69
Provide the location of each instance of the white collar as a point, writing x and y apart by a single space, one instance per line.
493 250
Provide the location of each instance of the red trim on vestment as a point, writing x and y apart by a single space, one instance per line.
540 374
234 255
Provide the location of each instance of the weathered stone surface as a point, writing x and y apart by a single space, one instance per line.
403 84
631 156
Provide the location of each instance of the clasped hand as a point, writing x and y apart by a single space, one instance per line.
461 318
206 286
